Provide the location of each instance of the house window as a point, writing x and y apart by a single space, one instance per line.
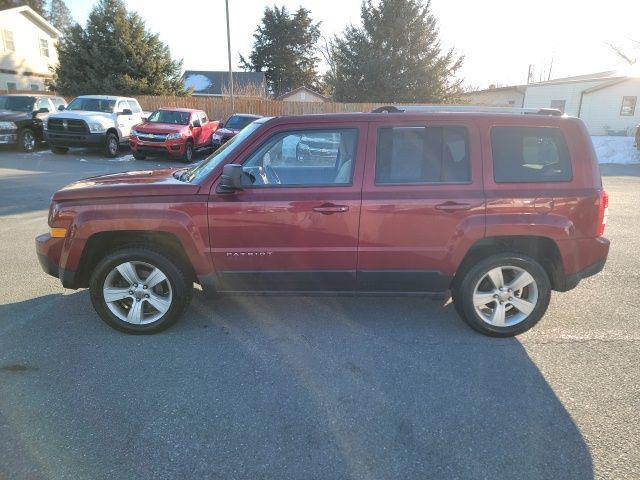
559 104
7 38
44 47
628 108
35 87
12 86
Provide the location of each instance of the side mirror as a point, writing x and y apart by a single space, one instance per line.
40 110
126 111
61 108
145 119
196 123
231 178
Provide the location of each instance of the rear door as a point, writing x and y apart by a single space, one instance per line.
423 203
295 224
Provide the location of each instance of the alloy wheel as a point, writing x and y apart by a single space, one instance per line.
505 296
28 141
137 292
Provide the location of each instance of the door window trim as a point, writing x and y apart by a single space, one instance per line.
300 185
416 184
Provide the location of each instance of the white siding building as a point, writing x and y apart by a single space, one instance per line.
27 49
605 102
496 96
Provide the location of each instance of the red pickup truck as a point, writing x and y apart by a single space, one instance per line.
498 208
178 132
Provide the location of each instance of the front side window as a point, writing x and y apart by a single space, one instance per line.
135 107
169 116
422 155
43 103
123 105
44 47
57 101
17 104
89 104
530 154
203 118
628 108
7 39
303 157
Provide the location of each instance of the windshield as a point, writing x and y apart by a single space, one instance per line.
238 122
92 105
17 104
217 158
169 116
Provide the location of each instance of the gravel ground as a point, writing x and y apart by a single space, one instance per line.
310 387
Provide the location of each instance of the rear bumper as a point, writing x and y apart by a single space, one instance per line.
75 139
597 258
48 250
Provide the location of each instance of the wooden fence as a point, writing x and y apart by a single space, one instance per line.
219 108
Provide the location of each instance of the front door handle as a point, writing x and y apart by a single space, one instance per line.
329 208
453 206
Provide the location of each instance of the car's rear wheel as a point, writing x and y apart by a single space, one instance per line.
27 140
503 295
138 290
187 156
59 150
111 145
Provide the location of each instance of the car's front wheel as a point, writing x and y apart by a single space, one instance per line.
187 156
503 295
111 145
27 140
138 290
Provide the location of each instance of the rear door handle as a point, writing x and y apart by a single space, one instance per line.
453 206
329 208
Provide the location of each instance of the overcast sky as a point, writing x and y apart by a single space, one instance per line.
499 38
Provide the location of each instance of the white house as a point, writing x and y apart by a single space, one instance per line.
605 101
303 94
27 49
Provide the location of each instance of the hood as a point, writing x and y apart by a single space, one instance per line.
12 116
83 115
142 183
226 132
161 128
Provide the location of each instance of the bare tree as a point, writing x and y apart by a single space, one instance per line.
628 54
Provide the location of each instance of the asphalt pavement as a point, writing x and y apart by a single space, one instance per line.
307 387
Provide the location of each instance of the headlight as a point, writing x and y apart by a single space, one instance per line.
96 127
173 136
8 126
134 133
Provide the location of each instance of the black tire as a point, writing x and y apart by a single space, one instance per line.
139 156
464 288
59 150
27 140
111 145
187 156
181 289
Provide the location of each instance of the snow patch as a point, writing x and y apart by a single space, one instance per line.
198 82
619 150
124 158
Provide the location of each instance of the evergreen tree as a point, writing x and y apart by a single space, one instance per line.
395 56
60 15
115 54
285 50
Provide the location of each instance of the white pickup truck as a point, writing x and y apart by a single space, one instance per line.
95 121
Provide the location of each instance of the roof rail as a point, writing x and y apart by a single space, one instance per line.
466 108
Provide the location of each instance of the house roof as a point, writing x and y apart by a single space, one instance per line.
206 82
32 15
603 76
608 84
303 89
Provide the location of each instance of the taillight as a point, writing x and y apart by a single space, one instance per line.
603 213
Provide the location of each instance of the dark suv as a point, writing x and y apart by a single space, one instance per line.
498 208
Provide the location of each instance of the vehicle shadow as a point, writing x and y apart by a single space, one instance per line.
277 387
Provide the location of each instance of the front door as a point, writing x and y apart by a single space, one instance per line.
423 203
295 224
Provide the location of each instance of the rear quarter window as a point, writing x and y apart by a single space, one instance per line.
530 155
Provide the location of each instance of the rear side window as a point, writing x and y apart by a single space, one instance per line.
530 155
416 155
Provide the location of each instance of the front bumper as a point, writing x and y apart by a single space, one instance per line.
8 138
171 147
49 250
61 139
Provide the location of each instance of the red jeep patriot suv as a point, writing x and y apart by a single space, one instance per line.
498 208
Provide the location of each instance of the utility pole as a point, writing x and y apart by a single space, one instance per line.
233 106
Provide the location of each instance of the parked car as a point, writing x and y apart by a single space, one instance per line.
21 118
174 131
500 209
95 121
638 137
231 128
